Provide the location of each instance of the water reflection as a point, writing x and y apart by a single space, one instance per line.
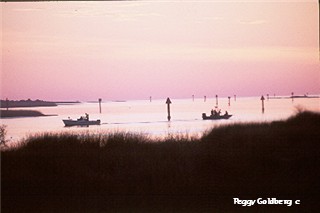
151 117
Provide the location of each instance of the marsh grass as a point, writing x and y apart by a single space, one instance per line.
125 172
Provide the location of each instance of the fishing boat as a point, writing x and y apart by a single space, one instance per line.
215 116
82 121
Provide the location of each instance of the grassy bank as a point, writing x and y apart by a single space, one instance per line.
20 113
131 173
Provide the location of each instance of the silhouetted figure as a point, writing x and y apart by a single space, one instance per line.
216 112
87 116
226 113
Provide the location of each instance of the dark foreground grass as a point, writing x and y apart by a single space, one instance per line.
124 172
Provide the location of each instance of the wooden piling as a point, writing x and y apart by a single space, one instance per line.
7 102
168 102
100 105
262 100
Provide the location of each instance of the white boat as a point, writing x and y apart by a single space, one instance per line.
82 121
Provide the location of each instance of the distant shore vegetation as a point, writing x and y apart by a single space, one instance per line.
32 103
125 172
20 113
26 103
8 107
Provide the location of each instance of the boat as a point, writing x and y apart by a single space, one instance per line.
70 122
82 121
215 116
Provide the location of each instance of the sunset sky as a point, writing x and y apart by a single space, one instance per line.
136 49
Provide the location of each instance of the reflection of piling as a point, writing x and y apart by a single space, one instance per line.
168 102
229 101
262 100
100 105
216 100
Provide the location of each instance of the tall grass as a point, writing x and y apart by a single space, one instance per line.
126 172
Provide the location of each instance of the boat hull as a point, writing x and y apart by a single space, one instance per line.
215 117
80 122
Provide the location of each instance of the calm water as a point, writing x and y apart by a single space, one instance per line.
151 117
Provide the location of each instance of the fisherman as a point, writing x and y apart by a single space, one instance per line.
87 116
216 111
226 113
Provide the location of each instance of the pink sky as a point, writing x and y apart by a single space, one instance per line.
136 49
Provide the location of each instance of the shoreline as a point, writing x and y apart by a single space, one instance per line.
7 104
21 114
293 97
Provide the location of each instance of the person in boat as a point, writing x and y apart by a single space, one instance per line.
216 111
87 116
226 113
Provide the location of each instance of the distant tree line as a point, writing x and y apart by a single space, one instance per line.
25 103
